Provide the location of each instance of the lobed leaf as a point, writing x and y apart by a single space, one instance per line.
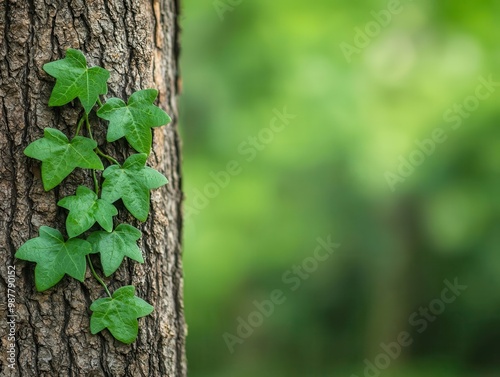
60 156
74 79
119 314
135 119
85 209
131 183
54 257
114 246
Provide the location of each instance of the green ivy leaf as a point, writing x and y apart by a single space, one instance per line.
60 156
114 246
74 79
55 257
119 314
132 183
134 120
85 209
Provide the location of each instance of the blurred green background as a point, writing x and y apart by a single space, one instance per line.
325 173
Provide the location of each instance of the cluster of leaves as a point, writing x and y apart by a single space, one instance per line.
131 182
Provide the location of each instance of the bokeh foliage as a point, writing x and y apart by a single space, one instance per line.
324 174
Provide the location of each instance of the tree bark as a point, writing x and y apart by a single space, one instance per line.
137 41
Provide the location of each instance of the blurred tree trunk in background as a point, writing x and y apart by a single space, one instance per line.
136 41
395 278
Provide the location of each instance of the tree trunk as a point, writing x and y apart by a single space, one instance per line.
136 40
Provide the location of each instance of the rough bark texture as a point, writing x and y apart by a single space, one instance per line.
136 40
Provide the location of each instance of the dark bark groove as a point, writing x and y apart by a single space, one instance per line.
137 41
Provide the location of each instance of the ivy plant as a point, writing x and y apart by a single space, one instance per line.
89 208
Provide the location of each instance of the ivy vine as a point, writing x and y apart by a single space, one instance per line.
131 182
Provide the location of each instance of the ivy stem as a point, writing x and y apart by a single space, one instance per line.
80 122
96 185
107 157
88 126
99 102
98 151
94 176
97 276
96 182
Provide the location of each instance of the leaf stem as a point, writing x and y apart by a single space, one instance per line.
98 151
99 102
80 122
88 126
97 276
96 182
107 157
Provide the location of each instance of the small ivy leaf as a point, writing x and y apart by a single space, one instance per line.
85 209
119 314
132 183
134 120
114 246
74 79
60 156
55 257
